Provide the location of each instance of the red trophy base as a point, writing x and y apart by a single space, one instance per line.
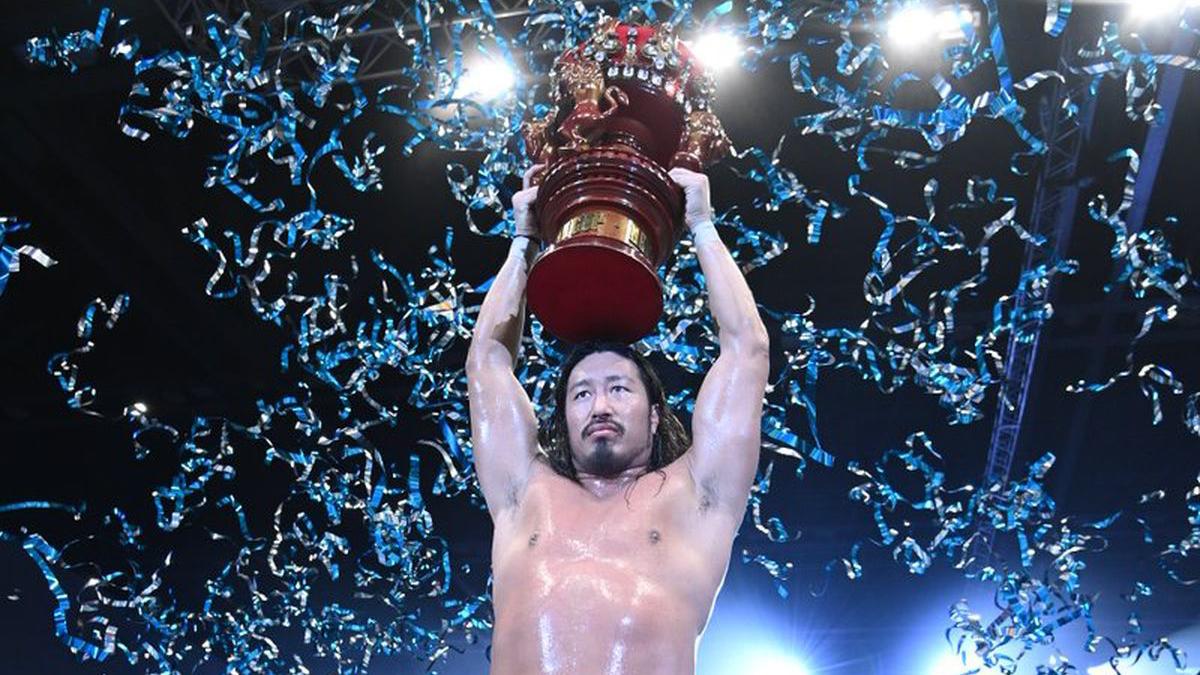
611 216
591 288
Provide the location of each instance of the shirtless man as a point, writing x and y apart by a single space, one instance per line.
612 535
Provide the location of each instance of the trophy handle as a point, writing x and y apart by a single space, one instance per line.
703 142
538 135
588 117
687 160
615 98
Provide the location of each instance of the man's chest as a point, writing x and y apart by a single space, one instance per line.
558 512
653 534
645 531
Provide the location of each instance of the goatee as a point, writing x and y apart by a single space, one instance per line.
603 460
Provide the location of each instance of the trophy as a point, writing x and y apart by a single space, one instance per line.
629 104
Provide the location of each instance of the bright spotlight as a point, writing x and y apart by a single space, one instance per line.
717 50
1153 9
911 26
917 24
771 662
485 80
1150 10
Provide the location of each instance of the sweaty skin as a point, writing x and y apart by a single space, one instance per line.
587 583
616 573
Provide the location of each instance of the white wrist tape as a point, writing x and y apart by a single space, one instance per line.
705 231
520 245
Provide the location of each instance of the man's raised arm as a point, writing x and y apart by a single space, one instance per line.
726 425
503 425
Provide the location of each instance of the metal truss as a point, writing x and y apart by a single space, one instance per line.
381 46
187 16
378 48
1056 200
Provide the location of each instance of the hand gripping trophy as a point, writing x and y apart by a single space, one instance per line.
629 104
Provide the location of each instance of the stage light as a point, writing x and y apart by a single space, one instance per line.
917 24
485 80
1162 11
1154 9
911 26
766 661
717 50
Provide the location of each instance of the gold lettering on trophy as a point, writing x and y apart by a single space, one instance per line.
607 224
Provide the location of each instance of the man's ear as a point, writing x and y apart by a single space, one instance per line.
653 419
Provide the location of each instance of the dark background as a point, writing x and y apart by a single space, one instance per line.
110 210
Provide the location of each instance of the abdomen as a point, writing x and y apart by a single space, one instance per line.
590 616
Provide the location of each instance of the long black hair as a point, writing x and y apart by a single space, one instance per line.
670 440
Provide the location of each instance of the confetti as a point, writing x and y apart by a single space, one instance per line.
10 256
355 519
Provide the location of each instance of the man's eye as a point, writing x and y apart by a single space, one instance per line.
620 387
579 394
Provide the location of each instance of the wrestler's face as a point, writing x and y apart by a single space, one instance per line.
609 416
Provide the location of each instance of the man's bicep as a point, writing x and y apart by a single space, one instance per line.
726 428
503 434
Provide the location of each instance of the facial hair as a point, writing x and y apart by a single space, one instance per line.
603 460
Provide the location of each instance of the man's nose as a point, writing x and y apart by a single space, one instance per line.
601 405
